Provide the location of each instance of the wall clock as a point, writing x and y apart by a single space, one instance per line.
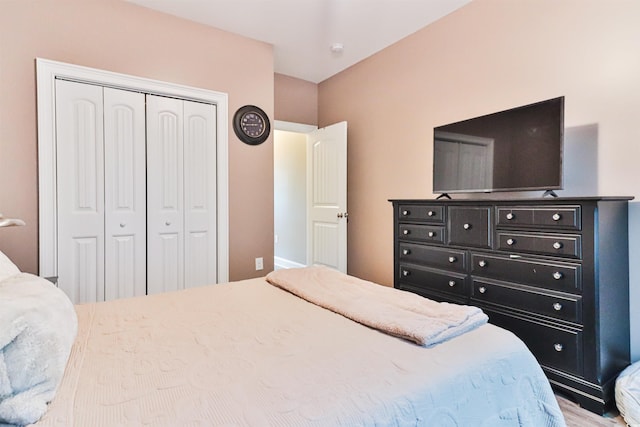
251 124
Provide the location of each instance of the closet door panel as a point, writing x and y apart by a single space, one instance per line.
125 194
80 190
169 264
165 195
200 194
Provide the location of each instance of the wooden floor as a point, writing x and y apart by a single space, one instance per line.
575 416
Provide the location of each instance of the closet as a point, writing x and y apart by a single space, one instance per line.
136 192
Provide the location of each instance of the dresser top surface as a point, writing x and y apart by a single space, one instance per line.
516 200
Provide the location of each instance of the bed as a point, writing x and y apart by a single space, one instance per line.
249 353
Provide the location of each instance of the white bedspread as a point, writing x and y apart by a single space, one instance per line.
250 354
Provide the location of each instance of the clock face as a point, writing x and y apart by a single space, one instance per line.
251 125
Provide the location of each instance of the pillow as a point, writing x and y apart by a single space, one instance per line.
7 268
627 394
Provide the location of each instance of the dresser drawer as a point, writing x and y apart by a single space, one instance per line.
560 276
565 307
552 217
435 257
469 226
434 296
425 213
554 347
564 245
433 280
425 233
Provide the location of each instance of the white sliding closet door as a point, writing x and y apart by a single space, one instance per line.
125 194
136 192
181 194
200 204
80 182
101 192
165 195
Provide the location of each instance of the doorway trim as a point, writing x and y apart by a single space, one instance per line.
47 72
293 127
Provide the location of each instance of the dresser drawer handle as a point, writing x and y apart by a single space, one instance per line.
556 217
452 283
431 213
557 245
510 216
482 289
557 306
452 259
557 275
406 213
406 273
482 263
558 347
406 251
405 232
467 226
431 234
511 242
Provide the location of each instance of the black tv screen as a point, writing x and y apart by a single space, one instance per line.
514 150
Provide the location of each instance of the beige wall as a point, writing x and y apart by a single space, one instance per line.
487 56
118 36
295 100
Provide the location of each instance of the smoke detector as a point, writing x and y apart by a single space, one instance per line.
337 48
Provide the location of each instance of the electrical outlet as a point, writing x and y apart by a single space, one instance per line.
259 263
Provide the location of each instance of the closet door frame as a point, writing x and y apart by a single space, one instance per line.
47 72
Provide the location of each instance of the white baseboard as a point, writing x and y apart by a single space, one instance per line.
285 263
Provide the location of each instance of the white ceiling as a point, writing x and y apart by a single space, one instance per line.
303 31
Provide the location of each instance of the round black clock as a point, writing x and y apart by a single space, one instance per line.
251 125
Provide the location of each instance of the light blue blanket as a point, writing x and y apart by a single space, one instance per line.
38 326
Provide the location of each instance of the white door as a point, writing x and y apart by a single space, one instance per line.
200 204
181 194
125 194
101 192
165 196
80 197
327 197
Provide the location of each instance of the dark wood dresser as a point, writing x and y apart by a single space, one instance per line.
553 271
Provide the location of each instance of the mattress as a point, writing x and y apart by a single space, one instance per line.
250 354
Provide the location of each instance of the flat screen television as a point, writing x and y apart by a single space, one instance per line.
513 150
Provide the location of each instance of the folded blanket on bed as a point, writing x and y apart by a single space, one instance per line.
38 325
396 312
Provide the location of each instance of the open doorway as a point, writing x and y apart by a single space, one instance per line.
290 194
310 195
